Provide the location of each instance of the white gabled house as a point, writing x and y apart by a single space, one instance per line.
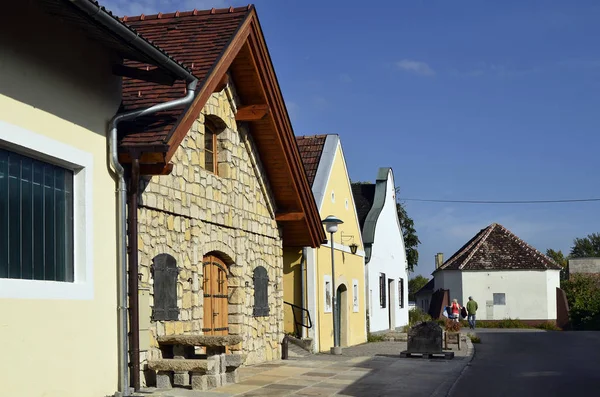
385 254
506 276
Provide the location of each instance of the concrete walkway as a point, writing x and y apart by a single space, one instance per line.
371 369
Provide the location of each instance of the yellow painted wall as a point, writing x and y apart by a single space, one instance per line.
348 266
68 346
62 348
291 286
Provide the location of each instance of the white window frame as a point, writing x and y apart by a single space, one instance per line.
43 148
355 296
327 305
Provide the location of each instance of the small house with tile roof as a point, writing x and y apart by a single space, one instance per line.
308 281
222 189
385 254
506 276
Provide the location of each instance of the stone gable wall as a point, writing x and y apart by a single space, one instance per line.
193 212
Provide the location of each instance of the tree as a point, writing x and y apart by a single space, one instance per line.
586 247
411 240
560 259
415 284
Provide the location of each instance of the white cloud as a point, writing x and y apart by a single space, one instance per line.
417 67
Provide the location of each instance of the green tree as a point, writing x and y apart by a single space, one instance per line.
583 295
560 259
586 247
415 284
411 240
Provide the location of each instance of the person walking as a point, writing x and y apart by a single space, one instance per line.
455 308
471 311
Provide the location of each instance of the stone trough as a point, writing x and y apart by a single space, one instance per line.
180 364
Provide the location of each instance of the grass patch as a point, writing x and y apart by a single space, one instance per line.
474 338
548 326
374 338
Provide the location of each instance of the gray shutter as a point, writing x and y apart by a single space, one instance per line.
165 272
382 294
261 292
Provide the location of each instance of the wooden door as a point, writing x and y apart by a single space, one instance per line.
215 296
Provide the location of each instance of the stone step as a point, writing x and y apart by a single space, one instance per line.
297 351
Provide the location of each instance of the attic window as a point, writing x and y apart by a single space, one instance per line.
210 148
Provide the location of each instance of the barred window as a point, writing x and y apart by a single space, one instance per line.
36 219
382 296
401 293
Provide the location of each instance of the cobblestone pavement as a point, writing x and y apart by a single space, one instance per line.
368 370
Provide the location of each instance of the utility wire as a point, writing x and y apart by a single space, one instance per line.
502 202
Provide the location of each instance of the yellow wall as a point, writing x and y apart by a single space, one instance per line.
347 266
68 346
291 286
62 348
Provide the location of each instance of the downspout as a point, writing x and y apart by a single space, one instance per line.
122 227
302 291
134 307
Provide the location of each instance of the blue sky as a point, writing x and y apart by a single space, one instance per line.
474 100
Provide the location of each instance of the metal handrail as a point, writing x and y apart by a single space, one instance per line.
301 323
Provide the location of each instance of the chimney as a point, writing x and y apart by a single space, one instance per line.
439 260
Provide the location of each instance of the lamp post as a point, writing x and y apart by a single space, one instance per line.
331 226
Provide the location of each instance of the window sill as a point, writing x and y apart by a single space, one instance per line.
38 289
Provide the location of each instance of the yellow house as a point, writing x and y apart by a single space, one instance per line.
308 289
60 324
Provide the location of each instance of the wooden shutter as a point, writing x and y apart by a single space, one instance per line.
165 272
261 292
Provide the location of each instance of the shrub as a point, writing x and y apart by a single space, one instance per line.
374 337
583 295
452 326
416 316
474 338
548 326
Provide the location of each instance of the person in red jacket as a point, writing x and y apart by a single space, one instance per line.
455 310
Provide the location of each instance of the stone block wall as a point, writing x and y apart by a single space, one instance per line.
193 212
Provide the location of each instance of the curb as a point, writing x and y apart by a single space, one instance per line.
471 353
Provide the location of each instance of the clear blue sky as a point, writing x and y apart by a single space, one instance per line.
467 100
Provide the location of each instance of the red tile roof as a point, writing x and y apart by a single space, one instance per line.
496 248
197 39
311 148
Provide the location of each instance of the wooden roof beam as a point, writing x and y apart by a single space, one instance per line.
251 113
289 216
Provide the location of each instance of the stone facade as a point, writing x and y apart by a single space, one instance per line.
192 213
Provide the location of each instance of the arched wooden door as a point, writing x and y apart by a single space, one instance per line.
215 296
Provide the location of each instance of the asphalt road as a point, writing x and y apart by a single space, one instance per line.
509 363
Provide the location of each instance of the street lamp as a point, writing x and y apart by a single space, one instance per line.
331 226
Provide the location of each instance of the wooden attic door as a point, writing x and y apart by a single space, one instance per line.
215 296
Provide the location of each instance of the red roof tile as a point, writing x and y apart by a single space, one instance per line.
197 39
311 148
496 248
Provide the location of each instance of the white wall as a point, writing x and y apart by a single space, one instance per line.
387 256
530 294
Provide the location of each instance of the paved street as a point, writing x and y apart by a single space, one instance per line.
525 363
368 370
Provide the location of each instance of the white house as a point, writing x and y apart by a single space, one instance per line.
506 276
385 254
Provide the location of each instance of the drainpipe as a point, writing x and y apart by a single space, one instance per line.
134 308
302 292
122 230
